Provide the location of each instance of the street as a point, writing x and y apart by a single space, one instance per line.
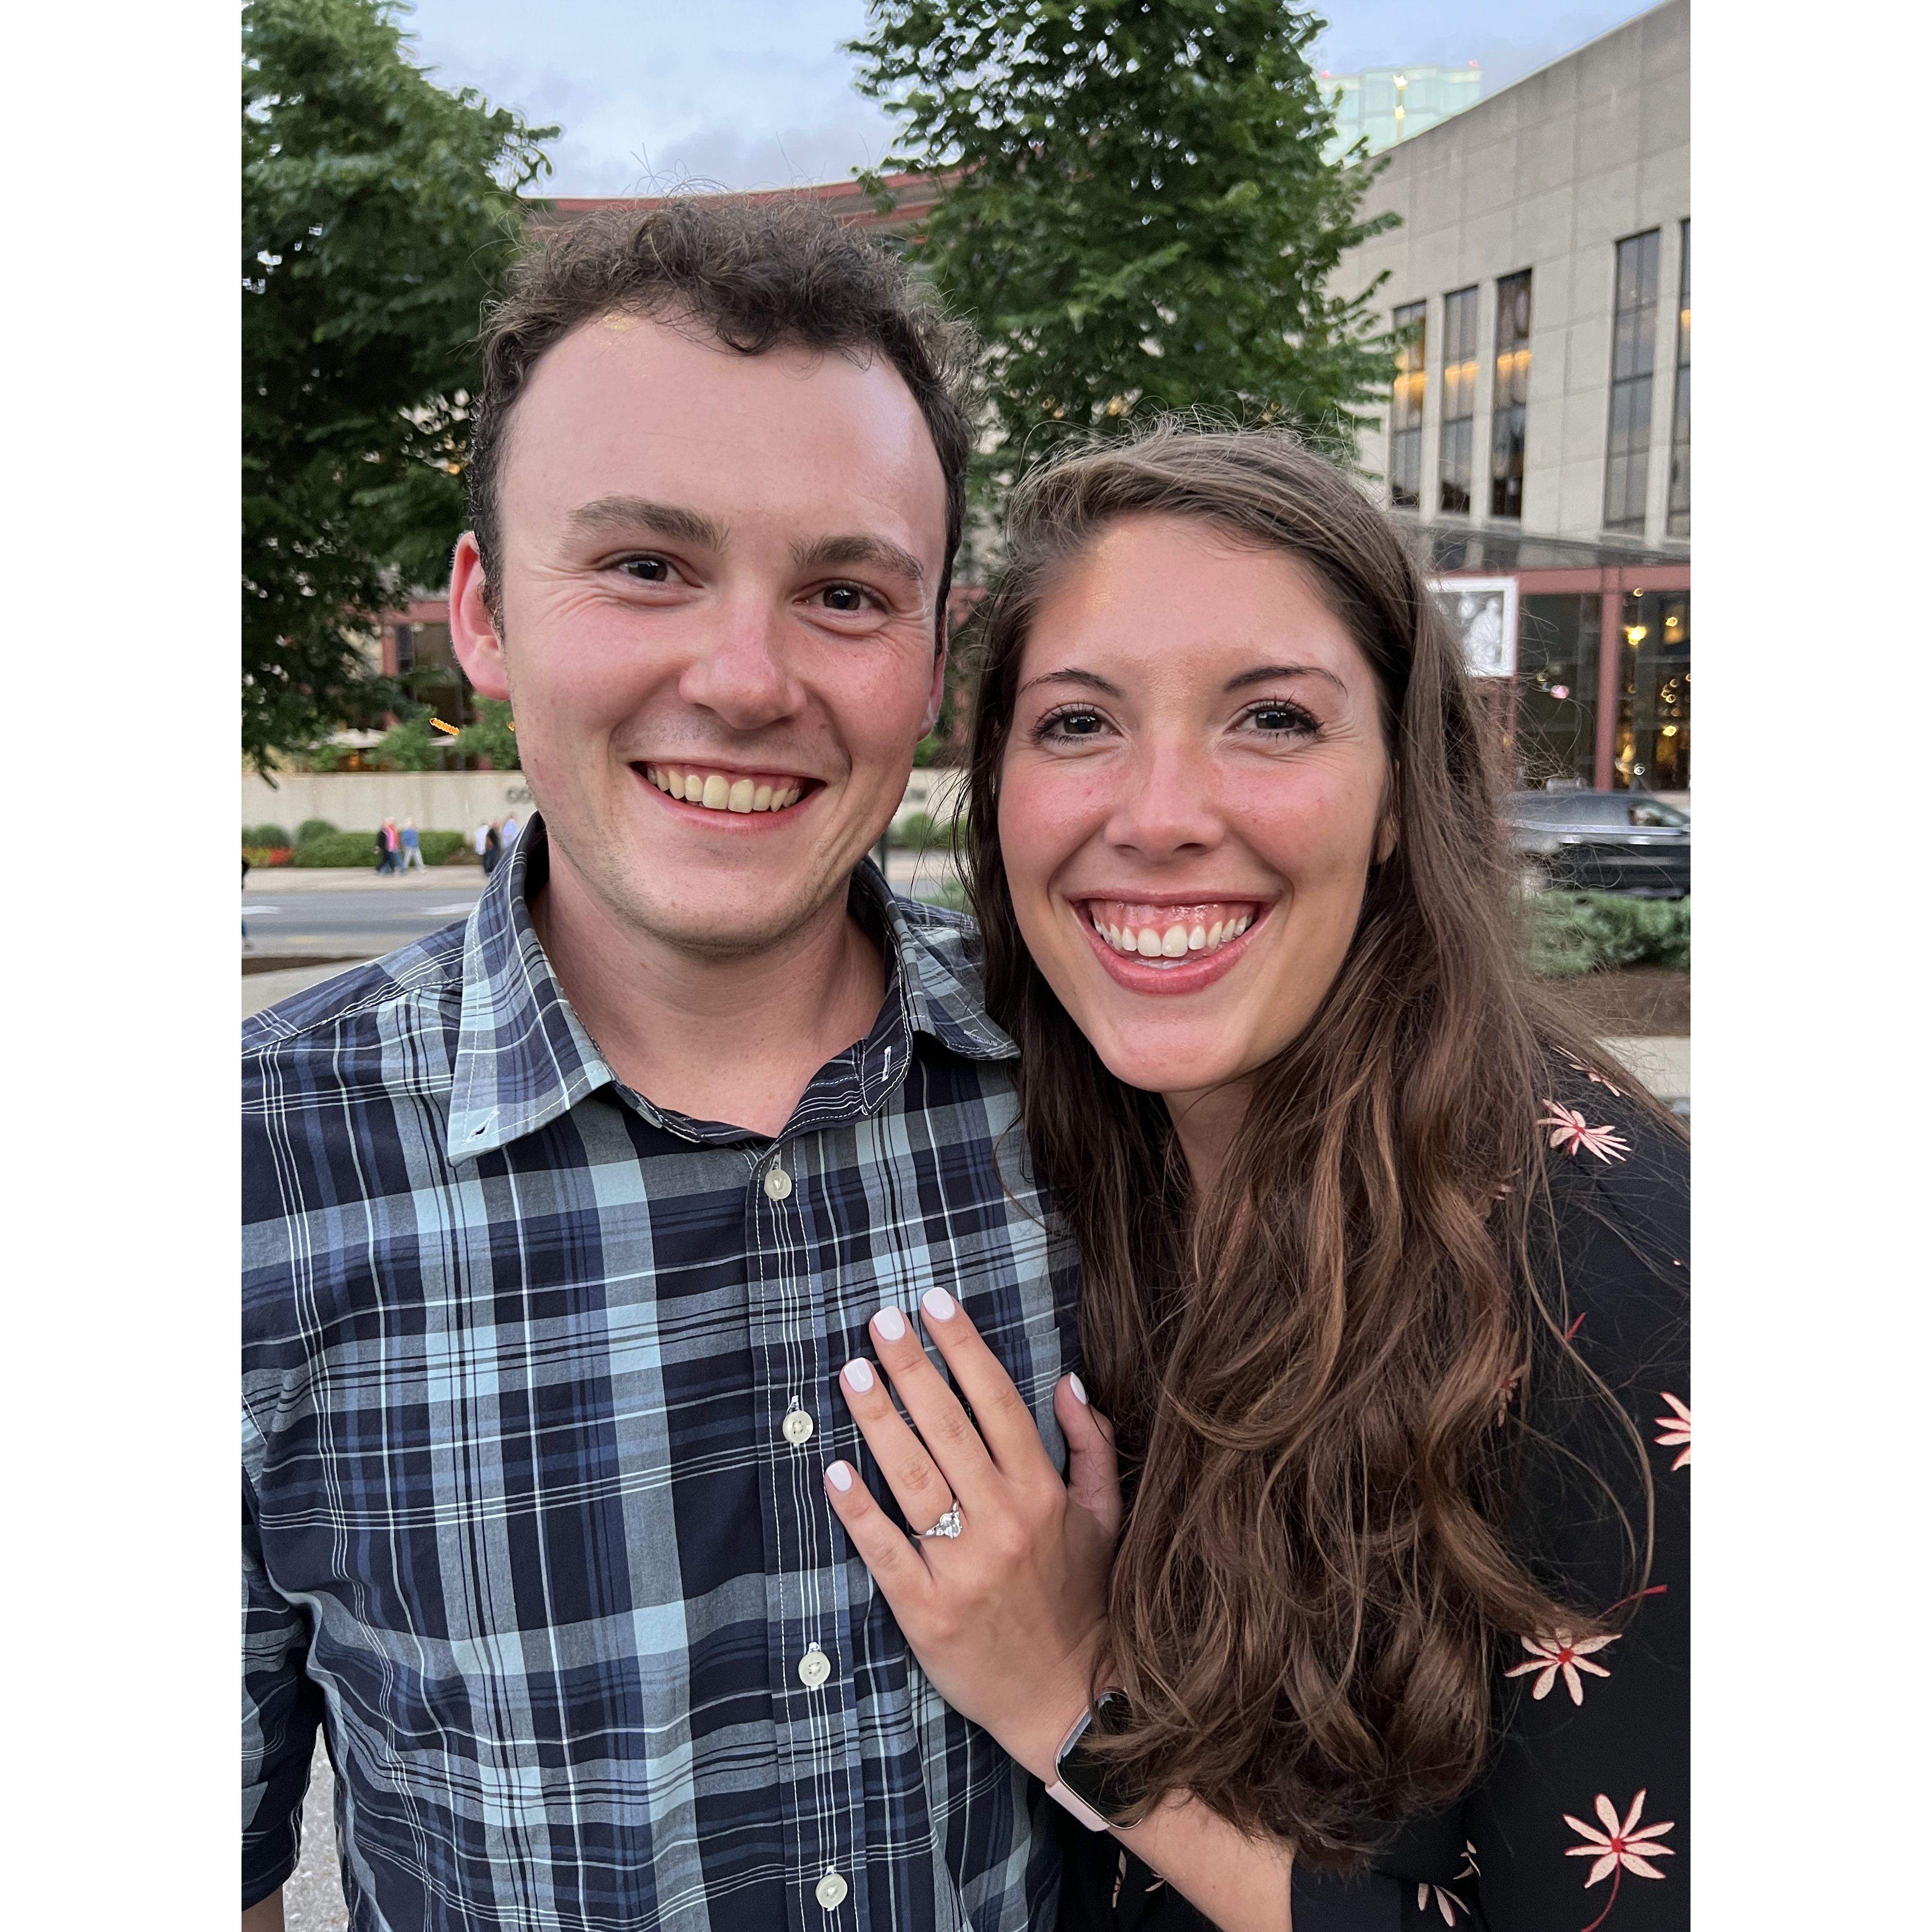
354 914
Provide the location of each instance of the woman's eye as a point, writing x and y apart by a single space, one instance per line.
1066 725
1281 720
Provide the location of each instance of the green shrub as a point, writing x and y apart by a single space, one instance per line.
1573 933
267 855
314 828
358 848
338 848
919 831
265 834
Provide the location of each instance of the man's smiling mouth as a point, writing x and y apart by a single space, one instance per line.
728 791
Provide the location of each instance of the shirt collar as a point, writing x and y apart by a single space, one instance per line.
524 1058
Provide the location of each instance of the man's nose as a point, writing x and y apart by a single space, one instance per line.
740 672
1166 808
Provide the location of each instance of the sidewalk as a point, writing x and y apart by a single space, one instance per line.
289 879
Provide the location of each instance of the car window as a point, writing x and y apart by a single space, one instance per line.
1650 812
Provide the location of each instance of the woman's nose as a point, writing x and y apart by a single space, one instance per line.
1166 807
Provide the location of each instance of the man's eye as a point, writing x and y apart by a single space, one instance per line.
845 598
647 569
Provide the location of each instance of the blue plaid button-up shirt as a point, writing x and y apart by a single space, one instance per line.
525 1525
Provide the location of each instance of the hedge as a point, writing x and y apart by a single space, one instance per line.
270 835
1573 933
314 828
358 848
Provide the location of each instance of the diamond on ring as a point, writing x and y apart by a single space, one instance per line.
949 1525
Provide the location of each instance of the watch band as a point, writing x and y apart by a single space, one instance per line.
1082 1785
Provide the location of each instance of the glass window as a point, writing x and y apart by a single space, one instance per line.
1511 408
1459 398
1411 383
1633 356
1653 739
1556 688
1679 524
406 648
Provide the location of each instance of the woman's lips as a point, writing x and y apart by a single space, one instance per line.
1168 949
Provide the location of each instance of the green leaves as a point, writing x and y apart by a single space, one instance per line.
378 210
1136 212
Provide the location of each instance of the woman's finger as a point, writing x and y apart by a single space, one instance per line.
1011 1436
922 1492
937 1413
896 1565
1093 1469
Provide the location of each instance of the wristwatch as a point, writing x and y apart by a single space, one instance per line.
1090 1787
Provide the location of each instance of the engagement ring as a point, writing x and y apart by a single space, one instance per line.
949 1525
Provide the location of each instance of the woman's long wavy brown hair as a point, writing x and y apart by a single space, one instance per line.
1305 1366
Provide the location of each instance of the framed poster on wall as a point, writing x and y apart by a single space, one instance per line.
1481 612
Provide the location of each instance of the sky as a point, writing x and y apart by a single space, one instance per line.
745 93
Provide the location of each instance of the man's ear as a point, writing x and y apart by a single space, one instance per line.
472 629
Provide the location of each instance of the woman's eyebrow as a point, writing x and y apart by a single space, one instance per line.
1266 673
1087 679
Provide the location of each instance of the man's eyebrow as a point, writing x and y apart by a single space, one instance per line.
1087 679
881 553
1267 673
638 516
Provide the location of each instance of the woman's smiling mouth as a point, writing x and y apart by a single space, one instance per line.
1175 948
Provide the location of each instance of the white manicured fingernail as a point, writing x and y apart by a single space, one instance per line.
839 1475
890 1324
1079 1393
938 1304
859 1375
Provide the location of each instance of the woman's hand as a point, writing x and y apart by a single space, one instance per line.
1003 1618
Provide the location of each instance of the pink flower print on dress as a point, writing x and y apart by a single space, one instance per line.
1618 1848
1549 1655
1570 1131
1590 1072
1446 1901
1676 1428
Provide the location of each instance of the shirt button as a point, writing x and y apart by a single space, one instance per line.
814 1668
798 1428
778 1183
831 1890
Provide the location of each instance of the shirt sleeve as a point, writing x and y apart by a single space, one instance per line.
280 1710
1583 1820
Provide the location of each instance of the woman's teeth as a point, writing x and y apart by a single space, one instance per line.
725 791
1200 929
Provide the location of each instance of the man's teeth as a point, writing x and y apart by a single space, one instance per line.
1176 939
719 791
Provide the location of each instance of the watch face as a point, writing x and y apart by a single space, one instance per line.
1098 1783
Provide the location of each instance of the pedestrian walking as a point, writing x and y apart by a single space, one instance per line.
479 839
493 849
412 847
244 910
391 845
381 851
510 830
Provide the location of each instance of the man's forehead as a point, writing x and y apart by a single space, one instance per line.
627 410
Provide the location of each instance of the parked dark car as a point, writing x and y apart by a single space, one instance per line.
1602 841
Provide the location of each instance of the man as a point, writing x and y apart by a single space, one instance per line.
510 829
412 847
561 1224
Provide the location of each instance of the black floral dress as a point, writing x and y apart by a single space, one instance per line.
1582 1820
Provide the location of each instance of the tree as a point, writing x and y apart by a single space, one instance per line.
1134 208
491 737
377 211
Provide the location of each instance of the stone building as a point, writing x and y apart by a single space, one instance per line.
1539 433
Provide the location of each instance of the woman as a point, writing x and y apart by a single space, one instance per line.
1384 1279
